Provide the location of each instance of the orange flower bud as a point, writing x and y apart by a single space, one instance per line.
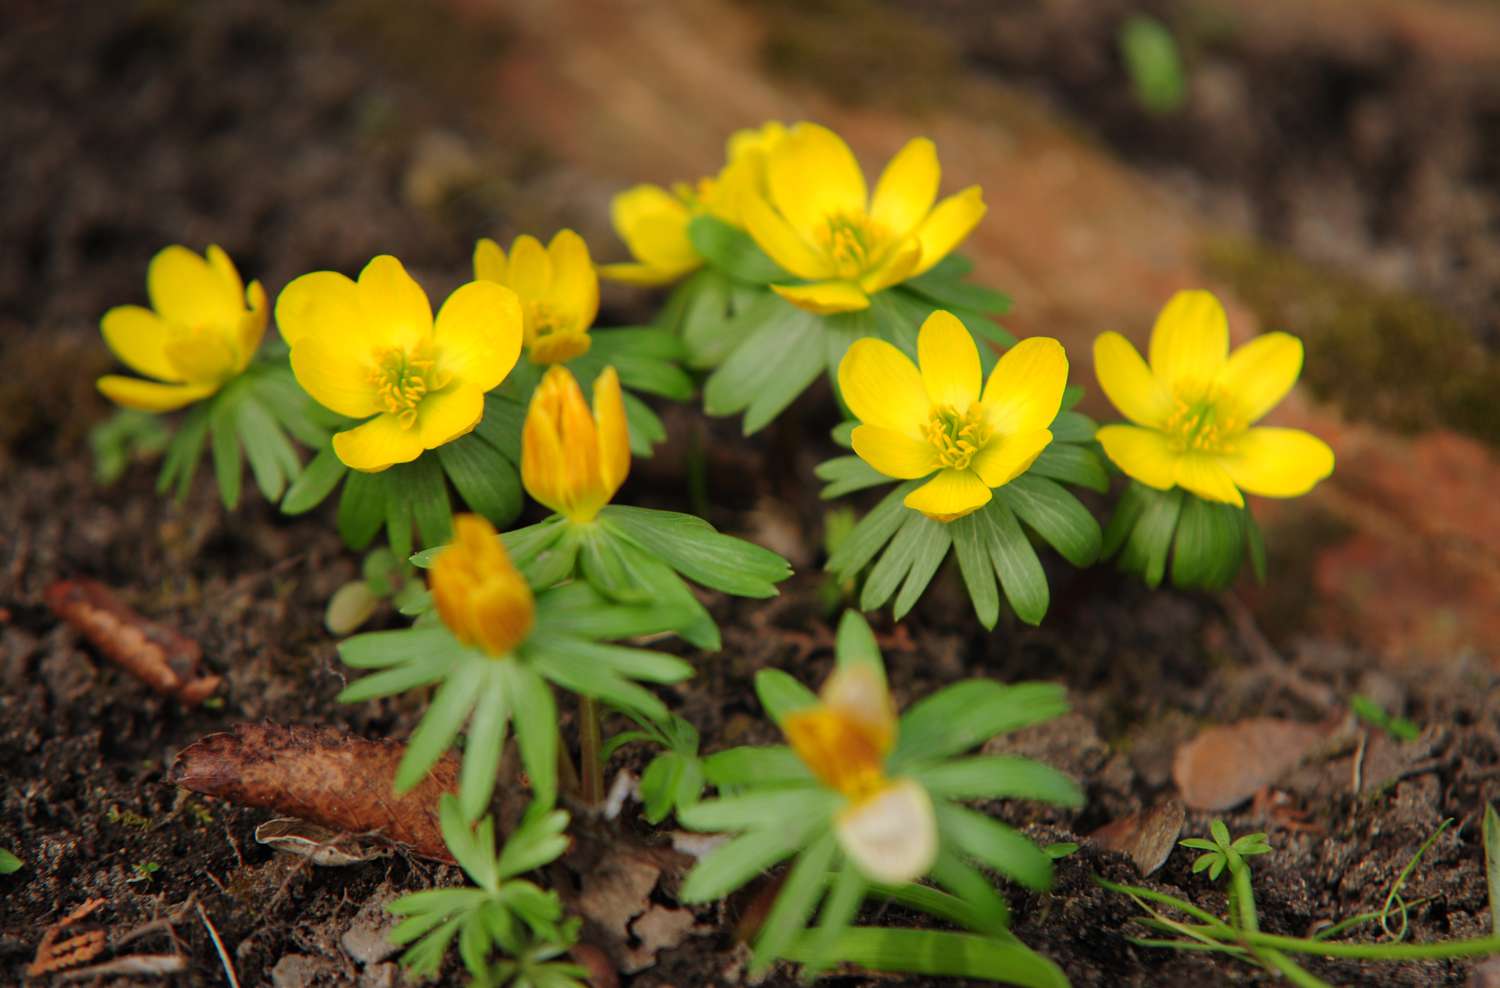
480 595
573 460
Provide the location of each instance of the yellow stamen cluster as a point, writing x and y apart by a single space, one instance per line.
839 751
958 437
401 378
853 243
1202 425
478 592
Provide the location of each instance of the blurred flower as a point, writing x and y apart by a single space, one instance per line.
936 418
817 221
558 288
1195 405
372 349
572 460
653 221
202 329
888 827
478 592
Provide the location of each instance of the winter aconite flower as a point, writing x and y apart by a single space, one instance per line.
817 220
202 329
653 221
558 288
936 419
1194 408
480 595
887 825
372 350
573 460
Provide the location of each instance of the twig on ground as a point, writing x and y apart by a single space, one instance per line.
139 964
234 981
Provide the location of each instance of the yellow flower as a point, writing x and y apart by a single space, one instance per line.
1195 406
478 592
558 287
372 348
888 827
572 460
937 419
653 221
817 221
204 330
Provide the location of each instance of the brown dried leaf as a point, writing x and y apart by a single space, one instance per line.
1146 836
324 776
1226 764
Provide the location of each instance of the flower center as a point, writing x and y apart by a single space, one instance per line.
1201 425
853 242
958 437
403 377
839 751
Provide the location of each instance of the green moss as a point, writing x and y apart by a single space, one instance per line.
1390 358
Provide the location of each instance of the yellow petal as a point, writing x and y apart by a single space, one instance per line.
395 309
653 223
812 176
530 268
1259 374
1204 475
203 358
948 224
882 387
558 347
949 361
614 431
338 378
825 297
1189 343
892 836
186 289
544 464
138 336
478 333
1129 383
1278 462
907 188
380 443
443 417
489 261
253 323
951 494
149 396
575 283
1143 454
631 273
860 694
782 244
893 453
225 269
323 302
1025 389
899 264
1004 458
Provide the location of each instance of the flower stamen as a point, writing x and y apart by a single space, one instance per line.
1201 425
958 437
853 242
402 377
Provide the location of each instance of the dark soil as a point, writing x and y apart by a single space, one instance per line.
290 135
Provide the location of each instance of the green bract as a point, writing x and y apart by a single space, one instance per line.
1206 540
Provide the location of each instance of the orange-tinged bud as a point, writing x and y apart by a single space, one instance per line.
573 460
480 595
845 738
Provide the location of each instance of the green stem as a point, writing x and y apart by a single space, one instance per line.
589 743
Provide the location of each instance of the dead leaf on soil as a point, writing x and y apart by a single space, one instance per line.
1224 765
616 894
1146 836
321 775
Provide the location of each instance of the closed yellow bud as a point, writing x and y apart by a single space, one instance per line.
573 460
480 595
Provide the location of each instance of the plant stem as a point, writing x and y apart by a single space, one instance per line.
591 766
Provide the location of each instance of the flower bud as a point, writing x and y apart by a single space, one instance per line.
480 595
573 460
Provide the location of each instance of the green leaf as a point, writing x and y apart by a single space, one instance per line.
273 461
361 508
1152 61
934 952
951 293
967 714
1209 544
314 483
731 251
483 745
383 648
541 839
9 863
771 367
579 611
734 863
695 549
429 500
1491 838
184 450
971 547
473 847
900 556
1000 777
988 912
1020 572
711 334
846 474
502 424
781 695
645 358
483 477
933 540
395 679
445 716
225 446
994 844
550 659
659 784
535 713
795 902
761 767
762 809
1073 427
1146 548
646 428
854 644
839 909
873 531
399 491
1122 519
427 956
1071 463
1057 516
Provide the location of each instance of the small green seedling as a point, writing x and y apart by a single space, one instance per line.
673 779
9 863
1375 715
143 872
1221 852
126 436
1154 64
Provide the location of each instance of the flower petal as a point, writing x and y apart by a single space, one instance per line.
1259 374
645 275
443 417
1278 462
613 431
1143 454
813 176
150 396
948 224
1005 458
187 290
1025 389
907 188
138 337
395 309
575 284
951 494
892 836
900 261
893 453
530 268
1129 383
489 261
253 323
1189 343
949 361
781 243
825 297
337 378
882 387
653 223
478 333
225 269
204 358
1203 474
380 443
323 302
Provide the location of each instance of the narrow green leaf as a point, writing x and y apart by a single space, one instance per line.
1020 572
1209 544
907 547
967 714
535 713
873 531
854 644
9 863
767 766
315 483
1000 777
484 478
774 364
184 451
766 808
847 474
394 679
1071 463
733 864
225 447
971 548
931 550
273 461
400 490
502 423
483 744
541 839
935 952
995 844
1057 516
1491 837
839 909
1150 539
1073 427
731 250
429 500
382 648
695 549
473 847
361 508
951 293
1127 511
987 908
440 725
712 332
646 428
781 695
795 902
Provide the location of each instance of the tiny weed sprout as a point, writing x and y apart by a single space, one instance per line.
975 458
1376 716
9 863
1154 63
673 779
497 646
1191 448
501 912
868 803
